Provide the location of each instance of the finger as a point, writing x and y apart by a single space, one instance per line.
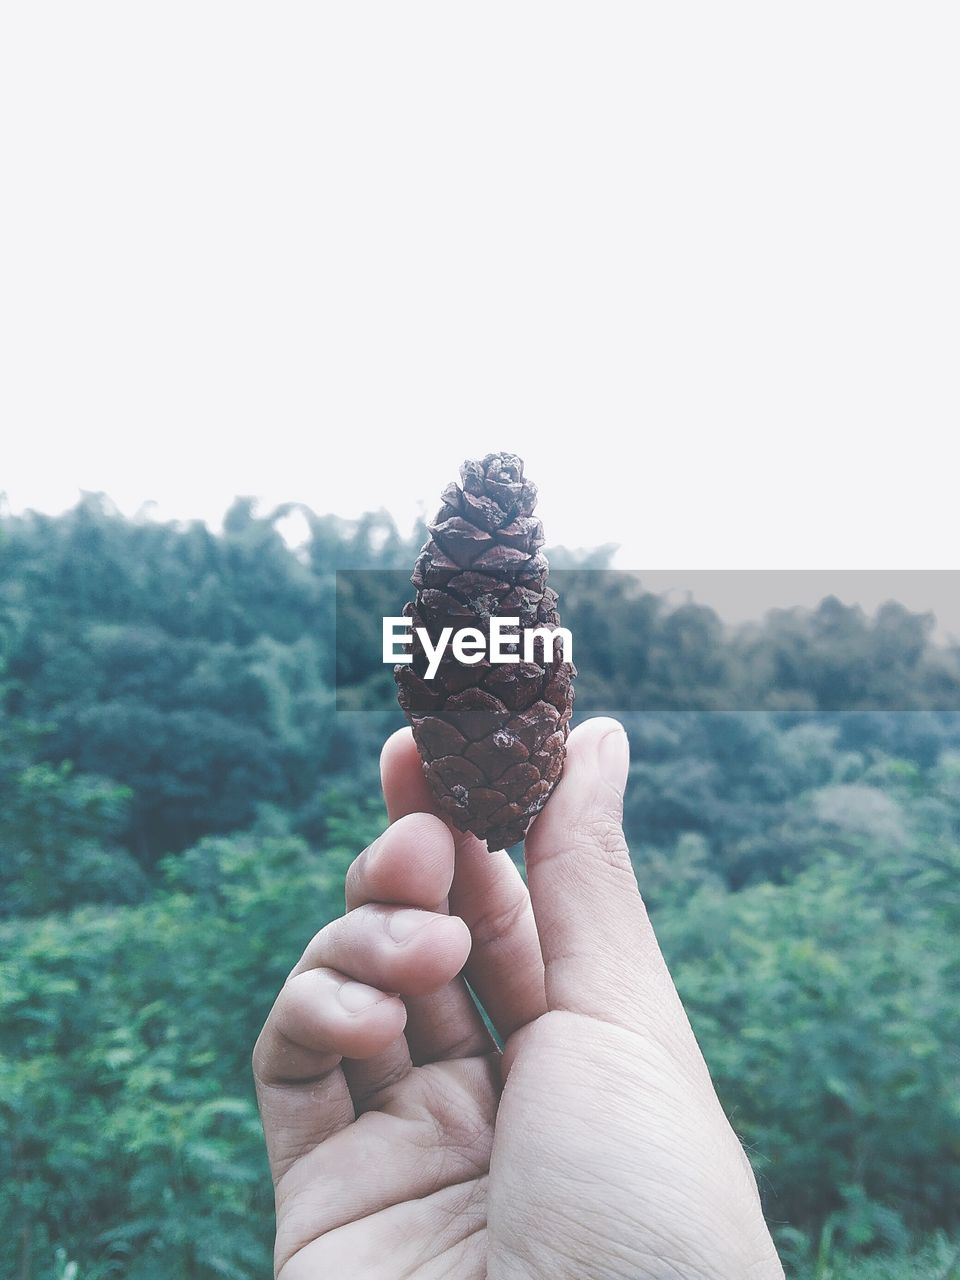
399 949
600 954
319 1016
411 863
505 967
447 1023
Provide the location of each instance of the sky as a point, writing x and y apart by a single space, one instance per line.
697 264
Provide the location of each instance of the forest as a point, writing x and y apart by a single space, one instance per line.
188 764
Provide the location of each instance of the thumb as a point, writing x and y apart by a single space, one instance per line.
599 951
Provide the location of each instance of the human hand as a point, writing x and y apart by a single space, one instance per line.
403 1144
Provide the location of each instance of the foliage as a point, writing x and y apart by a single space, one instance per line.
126 1111
180 798
827 1011
58 832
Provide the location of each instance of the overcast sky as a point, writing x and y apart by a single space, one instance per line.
697 263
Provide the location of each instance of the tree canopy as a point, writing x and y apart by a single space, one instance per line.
183 783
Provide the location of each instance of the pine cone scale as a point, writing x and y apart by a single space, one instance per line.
492 737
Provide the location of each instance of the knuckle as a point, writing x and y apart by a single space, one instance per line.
256 1059
360 885
353 880
303 1007
315 948
336 937
601 833
360 882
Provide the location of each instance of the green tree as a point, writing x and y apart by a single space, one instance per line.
58 832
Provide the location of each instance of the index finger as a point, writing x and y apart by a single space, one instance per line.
505 968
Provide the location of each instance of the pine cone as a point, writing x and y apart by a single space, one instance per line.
492 736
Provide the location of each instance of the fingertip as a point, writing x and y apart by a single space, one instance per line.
364 1035
465 939
369 1029
320 1016
405 788
400 742
594 773
590 733
412 862
580 829
425 829
426 956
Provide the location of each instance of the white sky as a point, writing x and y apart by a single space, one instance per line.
697 263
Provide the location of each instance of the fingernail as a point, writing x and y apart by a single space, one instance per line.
613 751
356 996
404 924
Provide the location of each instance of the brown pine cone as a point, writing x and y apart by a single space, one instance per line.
492 736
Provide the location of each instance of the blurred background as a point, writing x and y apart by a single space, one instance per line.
180 797
698 266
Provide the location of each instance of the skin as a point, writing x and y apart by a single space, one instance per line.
404 1144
